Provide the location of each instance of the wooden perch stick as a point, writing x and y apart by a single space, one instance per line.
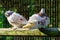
40 32
20 31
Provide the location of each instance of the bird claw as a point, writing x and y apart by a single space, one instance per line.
14 28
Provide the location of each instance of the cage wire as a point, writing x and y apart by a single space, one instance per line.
28 8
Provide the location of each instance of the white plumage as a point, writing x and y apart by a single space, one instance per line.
42 10
35 21
15 19
39 21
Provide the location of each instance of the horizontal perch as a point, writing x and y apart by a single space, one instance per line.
40 32
20 31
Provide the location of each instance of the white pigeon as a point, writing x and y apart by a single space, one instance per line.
15 19
36 21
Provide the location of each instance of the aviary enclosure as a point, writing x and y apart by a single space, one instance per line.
28 8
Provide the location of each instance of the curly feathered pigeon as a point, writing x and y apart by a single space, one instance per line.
15 19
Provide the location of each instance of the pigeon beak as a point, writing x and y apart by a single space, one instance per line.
7 15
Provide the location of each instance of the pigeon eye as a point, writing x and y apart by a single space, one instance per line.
21 19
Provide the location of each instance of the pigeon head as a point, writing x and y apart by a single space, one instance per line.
8 13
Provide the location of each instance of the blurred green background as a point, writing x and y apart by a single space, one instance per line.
28 8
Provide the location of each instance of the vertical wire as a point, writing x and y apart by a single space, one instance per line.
58 13
24 38
49 38
30 8
50 12
38 37
23 8
55 12
33 37
28 12
53 38
39 4
44 38
17 37
14 36
7 8
2 21
28 38
44 5
45 11
55 15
